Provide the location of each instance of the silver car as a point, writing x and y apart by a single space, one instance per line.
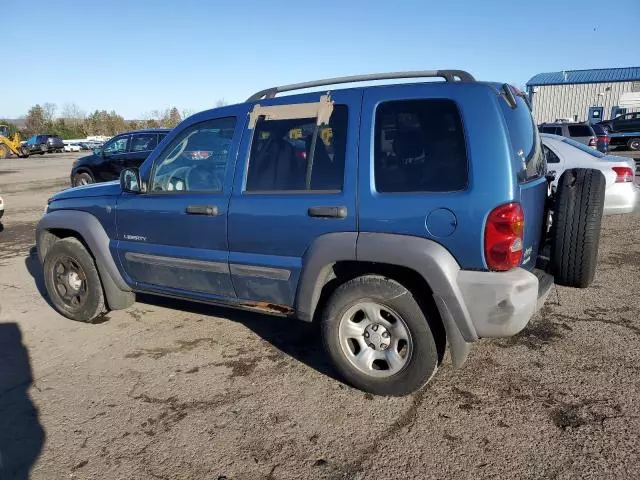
622 195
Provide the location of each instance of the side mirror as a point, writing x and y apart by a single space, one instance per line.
130 180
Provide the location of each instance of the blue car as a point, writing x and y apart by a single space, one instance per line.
403 218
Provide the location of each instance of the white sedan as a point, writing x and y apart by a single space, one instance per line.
71 147
621 194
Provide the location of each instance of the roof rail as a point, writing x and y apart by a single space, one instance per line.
448 75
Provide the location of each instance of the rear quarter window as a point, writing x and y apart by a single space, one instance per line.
527 156
580 131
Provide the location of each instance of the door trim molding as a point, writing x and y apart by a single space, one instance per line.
186 263
280 274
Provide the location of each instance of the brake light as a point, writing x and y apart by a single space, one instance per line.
603 138
623 174
593 142
503 237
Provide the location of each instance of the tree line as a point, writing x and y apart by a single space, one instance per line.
72 122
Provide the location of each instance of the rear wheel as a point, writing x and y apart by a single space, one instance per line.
72 281
378 337
576 226
4 152
82 178
634 144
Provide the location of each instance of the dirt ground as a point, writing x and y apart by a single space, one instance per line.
172 390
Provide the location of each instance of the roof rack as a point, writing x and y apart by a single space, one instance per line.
448 75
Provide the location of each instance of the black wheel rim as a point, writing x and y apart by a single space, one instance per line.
70 282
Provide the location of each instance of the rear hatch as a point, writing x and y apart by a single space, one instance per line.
530 167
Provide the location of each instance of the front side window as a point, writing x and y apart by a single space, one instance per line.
196 160
287 155
117 145
143 142
419 147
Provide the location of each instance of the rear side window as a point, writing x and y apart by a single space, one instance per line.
550 155
143 142
552 130
580 131
419 147
528 159
281 159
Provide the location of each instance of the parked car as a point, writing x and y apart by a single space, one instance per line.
580 132
54 144
603 138
37 144
621 194
84 146
398 248
122 151
72 147
628 122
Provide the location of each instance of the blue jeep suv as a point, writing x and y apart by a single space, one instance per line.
403 218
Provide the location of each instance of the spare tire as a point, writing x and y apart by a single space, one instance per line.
577 217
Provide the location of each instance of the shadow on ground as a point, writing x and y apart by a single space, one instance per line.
34 268
21 435
297 339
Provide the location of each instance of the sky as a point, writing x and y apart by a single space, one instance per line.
137 56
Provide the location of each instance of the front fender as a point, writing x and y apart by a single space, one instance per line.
117 291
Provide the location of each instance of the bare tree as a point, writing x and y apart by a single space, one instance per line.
49 111
221 103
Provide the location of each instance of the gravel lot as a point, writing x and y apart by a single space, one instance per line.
171 390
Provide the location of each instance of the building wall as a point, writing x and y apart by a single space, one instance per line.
550 102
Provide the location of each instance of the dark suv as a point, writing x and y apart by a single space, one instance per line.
629 122
580 132
127 150
44 143
402 218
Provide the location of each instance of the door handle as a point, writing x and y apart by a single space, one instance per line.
328 212
210 210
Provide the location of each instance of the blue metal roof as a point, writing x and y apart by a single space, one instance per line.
628 74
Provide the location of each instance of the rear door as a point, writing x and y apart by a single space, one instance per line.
530 167
294 183
142 144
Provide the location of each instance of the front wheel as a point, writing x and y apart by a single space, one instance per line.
72 281
378 337
82 179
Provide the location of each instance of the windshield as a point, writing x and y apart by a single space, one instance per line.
584 148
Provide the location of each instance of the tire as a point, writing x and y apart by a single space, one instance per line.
24 152
66 257
4 152
82 178
576 226
391 301
634 144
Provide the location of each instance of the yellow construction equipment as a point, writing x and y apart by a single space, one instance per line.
11 145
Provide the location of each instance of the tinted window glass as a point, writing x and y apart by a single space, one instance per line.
558 131
419 147
552 130
196 160
143 142
580 131
117 145
591 151
281 159
528 159
550 156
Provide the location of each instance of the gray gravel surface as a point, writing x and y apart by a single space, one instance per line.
172 390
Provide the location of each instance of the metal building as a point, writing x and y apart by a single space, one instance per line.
584 95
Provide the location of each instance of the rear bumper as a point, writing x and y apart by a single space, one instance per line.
622 198
500 304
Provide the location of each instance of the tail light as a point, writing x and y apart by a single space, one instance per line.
503 237
623 174
301 154
593 142
603 138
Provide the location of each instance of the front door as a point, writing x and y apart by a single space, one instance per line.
173 238
595 114
299 185
114 157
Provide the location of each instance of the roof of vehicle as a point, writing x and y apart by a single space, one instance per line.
600 75
147 130
558 124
